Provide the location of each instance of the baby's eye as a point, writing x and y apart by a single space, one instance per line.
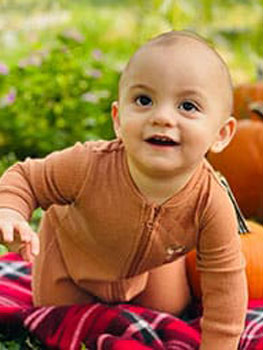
188 106
143 100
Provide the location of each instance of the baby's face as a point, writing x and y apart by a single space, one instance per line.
172 105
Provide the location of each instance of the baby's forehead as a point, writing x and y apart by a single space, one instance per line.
184 62
168 47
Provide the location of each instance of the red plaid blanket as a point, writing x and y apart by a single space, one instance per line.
100 326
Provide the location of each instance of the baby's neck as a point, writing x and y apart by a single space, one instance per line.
157 189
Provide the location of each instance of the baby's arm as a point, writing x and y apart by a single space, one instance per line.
56 179
223 279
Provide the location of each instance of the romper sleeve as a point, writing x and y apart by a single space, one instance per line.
56 179
223 279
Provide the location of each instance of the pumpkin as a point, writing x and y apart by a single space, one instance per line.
241 163
244 97
252 247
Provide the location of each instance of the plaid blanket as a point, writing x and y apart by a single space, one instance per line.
101 326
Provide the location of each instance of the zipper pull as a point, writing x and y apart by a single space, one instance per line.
153 214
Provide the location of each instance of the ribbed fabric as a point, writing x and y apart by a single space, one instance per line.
100 235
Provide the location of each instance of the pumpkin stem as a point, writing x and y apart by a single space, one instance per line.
242 225
260 72
257 107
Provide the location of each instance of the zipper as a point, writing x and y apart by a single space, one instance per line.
144 241
153 215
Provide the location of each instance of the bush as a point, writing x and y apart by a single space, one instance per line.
54 98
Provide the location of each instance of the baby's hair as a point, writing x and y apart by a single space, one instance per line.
171 38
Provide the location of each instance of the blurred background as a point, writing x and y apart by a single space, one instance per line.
60 62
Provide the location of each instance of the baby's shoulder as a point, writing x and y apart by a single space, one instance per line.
216 179
104 146
216 191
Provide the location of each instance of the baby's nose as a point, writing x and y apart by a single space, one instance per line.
164 117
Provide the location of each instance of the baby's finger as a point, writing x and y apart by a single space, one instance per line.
35 246
27 235
7 232
24 231
25 252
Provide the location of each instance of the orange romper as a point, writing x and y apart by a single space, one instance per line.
99 235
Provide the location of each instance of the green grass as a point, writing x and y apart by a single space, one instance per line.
23 341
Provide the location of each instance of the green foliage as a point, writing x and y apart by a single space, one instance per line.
35 220
62 92
21 341
54 98
3 250
233 26
6 161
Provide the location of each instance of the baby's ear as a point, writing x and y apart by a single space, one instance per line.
115 117
224 135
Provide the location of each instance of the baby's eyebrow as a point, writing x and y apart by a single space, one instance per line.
196 93
141 86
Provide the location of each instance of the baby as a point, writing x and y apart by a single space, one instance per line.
122 214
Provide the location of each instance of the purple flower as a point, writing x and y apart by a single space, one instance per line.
8 99
96 96
11 96
97 54
4 70
34 60
94 73
73 34
90 97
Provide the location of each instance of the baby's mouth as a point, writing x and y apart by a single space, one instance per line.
161 140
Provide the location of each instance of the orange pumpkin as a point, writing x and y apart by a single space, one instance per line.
242 165
252 247
244 97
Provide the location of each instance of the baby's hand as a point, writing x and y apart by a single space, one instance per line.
15 229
